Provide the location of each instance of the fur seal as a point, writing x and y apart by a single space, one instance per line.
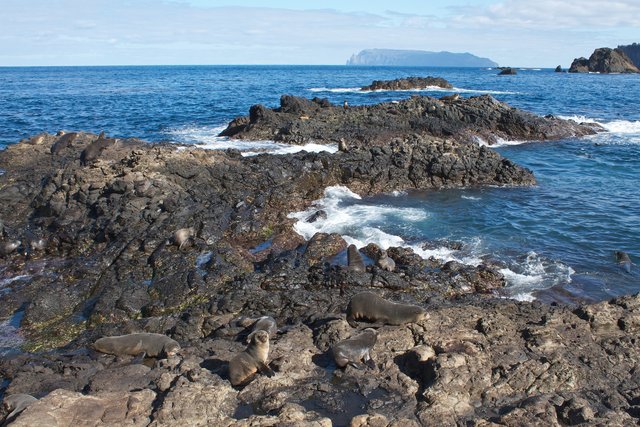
342 145
623 260
354 259
63 142
386 263
453 97
152 345
15 404
267 324
355 350
244 365
94 149
345 104
369 306
37 140
182 236
7 248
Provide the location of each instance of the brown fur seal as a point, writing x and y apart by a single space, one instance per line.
453 97
7 248
94 149
342 145
244 366
386 263
623 260
182 236
354 259
37 140
369 306
63 142
152 345
16 403
355 350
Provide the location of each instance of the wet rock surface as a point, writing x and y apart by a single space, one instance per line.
300 121
110 265
408 84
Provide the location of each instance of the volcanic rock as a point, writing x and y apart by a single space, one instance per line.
604 60
466 120
408 84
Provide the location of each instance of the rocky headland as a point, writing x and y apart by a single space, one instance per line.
604 60
300 121
105 237
408 83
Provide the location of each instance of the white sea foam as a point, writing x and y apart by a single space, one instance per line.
614 126
358 223
206 137
500 142
470 197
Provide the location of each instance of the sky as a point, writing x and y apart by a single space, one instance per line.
524 33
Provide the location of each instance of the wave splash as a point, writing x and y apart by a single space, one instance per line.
360 223
206 137
426 89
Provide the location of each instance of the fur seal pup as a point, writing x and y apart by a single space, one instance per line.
453 97
37 140
7 248
63 142
94 149
386 263
152 345
623 260
244 365
16 403
354 259
345 105
342 145
355 350
182 236
369 306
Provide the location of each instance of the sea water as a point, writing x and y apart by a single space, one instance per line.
553 241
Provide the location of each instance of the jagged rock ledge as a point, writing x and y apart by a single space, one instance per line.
300 120
106 263
408 83
604 60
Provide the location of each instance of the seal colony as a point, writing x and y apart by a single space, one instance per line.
112 264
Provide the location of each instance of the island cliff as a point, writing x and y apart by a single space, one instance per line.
418 58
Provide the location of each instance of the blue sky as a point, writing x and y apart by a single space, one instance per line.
114 32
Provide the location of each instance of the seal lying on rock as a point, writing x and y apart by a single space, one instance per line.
264 323
354 259
16 403
152 345
182 236
244 366
369 306
94 149
623 260
355 350
63 142
386 263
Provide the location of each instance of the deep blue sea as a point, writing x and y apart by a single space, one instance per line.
554 241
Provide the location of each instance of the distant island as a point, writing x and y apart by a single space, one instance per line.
633 52
418 58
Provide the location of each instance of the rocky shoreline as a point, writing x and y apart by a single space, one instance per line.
136 237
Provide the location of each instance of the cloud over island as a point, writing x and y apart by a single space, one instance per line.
106 32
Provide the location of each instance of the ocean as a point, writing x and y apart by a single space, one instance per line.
553 242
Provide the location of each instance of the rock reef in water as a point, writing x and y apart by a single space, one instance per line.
109 266
408 83
300 121
604 60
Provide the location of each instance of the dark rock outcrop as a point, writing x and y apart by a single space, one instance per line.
508 71
466 120
604 60
408 84
559 69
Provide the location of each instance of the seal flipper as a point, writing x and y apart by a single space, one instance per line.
139 359
357 365
370 363
265 370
